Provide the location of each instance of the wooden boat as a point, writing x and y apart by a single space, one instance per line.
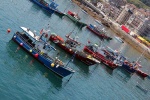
38 48
70 47
75 18
52 7
98 32
101 56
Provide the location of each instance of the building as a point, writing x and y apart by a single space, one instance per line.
144 30
136 20
111 11
94 2
117 3
126 13
105 8
115 12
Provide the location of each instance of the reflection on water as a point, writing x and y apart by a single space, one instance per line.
31 69
83 67
66 57
122 75
108 69
35 8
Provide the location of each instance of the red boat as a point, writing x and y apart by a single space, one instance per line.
98 33
70 46
74 15
141 73
133 69
75 18
101 57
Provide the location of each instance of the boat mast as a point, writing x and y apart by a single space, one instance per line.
138 59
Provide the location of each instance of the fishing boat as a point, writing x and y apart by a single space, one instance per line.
52 7
141 73
128 66
40 50
131 67
75 18
100 55
134 68
70 47
98 32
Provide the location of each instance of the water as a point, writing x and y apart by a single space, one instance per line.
21 80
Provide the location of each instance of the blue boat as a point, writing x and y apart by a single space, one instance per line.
40 49
52 7
120 60
129 68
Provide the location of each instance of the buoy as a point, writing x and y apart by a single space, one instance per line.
41 52
36 55
52 64
30 50
21 44
14 37
8 30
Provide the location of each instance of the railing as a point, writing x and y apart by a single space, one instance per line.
32 46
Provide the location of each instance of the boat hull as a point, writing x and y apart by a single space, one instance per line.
102 36
60 71
46 7
77 22
78 55
137 71
140 73
128 68
101 58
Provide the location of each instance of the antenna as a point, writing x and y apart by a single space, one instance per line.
72 58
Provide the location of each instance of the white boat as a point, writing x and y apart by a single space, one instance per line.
97 21
119 39
84 11
32 34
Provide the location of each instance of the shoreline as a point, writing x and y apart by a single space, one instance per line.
117 30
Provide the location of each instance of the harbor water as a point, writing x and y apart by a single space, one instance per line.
23 78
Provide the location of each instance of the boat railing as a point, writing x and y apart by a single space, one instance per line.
27 39
44 55
44 2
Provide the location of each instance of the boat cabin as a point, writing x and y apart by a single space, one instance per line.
73 14
51 5
71 42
